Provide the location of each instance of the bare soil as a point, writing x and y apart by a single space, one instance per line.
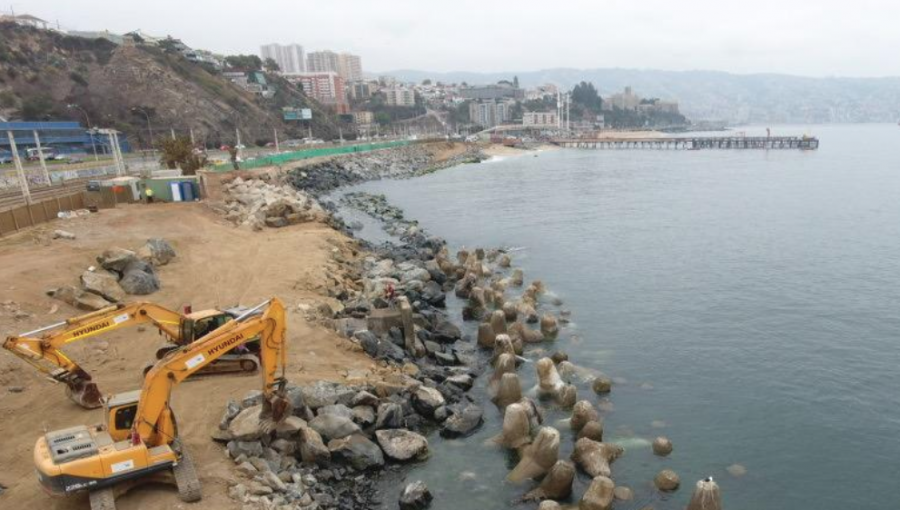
217 265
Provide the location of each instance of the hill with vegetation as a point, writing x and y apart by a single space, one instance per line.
42 72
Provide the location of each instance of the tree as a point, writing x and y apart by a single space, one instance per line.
271 66
179 153
586 95
247 62
426 82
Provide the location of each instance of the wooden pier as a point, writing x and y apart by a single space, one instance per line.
693 143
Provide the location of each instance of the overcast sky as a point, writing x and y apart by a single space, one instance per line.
805 37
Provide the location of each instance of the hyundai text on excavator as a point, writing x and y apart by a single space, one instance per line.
44 353
140 437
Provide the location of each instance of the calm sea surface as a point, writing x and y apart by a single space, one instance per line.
747 302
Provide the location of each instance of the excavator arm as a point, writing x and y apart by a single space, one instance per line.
43 352
154 422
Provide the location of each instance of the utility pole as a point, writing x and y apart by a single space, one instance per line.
277 149
149 126
20 171
341 135
193 142
37 143
90 127
172 130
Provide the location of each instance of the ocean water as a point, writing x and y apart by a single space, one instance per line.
747 303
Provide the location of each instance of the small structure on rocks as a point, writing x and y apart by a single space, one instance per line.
706 496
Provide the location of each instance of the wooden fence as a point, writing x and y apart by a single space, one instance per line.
25 216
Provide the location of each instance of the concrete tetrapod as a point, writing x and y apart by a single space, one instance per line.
498 322
516 427
556 485
538 457
594 458
599 495
550 384
508 390
582 413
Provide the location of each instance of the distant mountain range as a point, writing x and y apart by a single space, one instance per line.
713 95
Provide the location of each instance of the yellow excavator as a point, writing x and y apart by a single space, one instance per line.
41 347
140 437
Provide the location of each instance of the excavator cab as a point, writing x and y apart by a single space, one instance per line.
121 410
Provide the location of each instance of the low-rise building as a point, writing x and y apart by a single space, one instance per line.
399 96
251 81
540 119
361 90
25 20
363 118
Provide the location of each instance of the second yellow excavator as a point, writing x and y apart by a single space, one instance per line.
41 347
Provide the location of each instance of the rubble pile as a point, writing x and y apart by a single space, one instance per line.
256 203
323 456
122 272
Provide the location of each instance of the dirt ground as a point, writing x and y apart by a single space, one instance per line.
217 265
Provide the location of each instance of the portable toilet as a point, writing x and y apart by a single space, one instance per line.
176 191
187 191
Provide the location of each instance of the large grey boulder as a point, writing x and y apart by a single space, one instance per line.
357 451
426 400
463 422
116 259
415 496
157 252
104 284
312 448
245 426
139 278
402 445
390 416
324 393
331 426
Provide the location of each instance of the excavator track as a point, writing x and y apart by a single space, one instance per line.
103 499
189 489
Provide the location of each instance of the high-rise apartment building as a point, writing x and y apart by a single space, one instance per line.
347 65
326 88
322 62
290 58
489 113
350 67
399 96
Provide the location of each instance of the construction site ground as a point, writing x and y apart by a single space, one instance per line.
217 265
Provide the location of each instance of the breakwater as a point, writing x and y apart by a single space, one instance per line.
693 143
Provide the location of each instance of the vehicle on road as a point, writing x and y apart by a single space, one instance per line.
49 153
6 157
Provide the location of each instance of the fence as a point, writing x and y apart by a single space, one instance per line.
25 216
280 159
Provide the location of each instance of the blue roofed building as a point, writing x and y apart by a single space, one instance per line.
66 137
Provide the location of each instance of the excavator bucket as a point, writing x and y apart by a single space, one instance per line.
274 410
84 393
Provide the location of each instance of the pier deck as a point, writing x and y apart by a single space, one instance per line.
693 143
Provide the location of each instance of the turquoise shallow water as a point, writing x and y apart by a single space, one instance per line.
748 301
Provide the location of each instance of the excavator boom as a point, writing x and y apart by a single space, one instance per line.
42 347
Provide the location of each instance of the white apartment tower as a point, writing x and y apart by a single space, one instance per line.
322 62
290 58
